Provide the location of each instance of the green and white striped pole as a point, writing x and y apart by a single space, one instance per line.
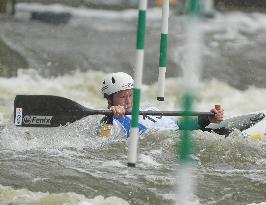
163 50
133 140
191 72
208 8
192 66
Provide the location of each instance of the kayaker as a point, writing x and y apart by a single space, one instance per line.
117 88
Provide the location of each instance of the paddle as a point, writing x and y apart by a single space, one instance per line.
54 111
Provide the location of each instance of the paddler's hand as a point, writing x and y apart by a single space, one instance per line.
118 110
218 115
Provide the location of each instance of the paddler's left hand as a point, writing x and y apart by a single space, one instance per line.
118 110
218 115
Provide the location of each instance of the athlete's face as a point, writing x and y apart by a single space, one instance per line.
123 98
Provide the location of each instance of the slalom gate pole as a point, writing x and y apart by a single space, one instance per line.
191 80
133 140
208 8
163 50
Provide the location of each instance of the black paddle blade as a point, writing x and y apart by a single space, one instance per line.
46 111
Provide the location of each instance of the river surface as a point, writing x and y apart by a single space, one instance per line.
72 165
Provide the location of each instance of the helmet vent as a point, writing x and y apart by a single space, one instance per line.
103 82
113 80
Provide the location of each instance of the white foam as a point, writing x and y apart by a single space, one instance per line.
82 12
24 196
148 160
235 22
113 163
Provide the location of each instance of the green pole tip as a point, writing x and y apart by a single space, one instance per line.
193 7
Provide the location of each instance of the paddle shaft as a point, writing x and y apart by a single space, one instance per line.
154 113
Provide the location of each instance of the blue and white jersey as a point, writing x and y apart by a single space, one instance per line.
122 125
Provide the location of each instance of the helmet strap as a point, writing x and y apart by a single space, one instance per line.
110 100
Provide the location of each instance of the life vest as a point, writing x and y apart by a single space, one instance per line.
126 124
146 123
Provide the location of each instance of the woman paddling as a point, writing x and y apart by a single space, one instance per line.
117 88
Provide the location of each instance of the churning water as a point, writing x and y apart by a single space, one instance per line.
72 165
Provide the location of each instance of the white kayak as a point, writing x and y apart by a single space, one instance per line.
251 125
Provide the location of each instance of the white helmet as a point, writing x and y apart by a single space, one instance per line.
116 82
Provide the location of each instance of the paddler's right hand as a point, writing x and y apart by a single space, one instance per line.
118 110
218 114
